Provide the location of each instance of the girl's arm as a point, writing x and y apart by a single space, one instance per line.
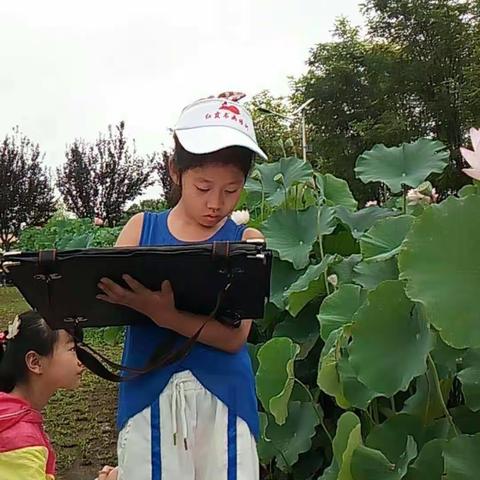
215 333
160 306
130 234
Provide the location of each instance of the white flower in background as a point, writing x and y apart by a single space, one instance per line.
333 279
240 217
472 158
98 221
371 203
13 328
414 197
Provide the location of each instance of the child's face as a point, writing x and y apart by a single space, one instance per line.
63 369
211 192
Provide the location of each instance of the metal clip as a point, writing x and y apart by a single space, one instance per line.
6 265
47 277
75 320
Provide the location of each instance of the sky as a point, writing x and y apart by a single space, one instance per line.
69 69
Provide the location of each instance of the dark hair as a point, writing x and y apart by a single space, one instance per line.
183 160
34 334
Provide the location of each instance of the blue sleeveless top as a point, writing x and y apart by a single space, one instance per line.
228 376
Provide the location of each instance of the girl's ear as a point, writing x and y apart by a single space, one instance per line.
34 362
174 173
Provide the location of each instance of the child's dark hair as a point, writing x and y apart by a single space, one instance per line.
34 334
240 157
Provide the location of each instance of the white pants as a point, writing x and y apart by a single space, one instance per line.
187 434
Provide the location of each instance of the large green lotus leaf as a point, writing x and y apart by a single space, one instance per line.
309 463
429 464
462 459
470 378
424 403
335 191
326 220
330 473
292 234
266 449
283 275
391 436
473 189
408 164
385 238
446 357
369 464
343 268
371 274
327 378
359 222
295 435
347 438
345 426
341 242
354 441
338 308
467 421
390 340
303 329
355 392
275 178
438 260
308 287
275 376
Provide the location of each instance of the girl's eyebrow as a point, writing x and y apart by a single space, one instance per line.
207 180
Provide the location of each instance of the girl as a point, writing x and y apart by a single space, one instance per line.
196 419
35 362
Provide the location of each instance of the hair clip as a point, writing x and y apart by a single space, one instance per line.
13 328
3 338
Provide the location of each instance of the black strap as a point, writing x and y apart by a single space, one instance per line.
165 354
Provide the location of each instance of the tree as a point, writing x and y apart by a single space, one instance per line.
414 74
149 204
26 193
438 46
277 137
97 180
169 191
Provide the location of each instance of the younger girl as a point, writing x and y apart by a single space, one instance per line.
35 362
196 419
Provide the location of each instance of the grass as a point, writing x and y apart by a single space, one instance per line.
80 423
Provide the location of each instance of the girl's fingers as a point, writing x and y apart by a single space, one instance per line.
105 298
166 287
112 289
136 286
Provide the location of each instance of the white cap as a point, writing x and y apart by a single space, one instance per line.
214 123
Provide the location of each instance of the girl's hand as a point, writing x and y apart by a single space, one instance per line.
139 298
108 473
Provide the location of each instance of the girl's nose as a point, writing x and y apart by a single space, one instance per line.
215 201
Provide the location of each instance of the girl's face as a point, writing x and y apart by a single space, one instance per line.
62 369
211 192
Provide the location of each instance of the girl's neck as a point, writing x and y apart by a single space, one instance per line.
35 395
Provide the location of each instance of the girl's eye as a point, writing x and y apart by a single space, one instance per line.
202 189
231 191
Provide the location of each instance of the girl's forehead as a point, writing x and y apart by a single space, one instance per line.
217 171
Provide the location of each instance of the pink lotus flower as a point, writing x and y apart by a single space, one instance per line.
98 222
472 158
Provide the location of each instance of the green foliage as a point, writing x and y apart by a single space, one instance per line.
67 233
389 332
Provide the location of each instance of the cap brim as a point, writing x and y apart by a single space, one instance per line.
208 139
